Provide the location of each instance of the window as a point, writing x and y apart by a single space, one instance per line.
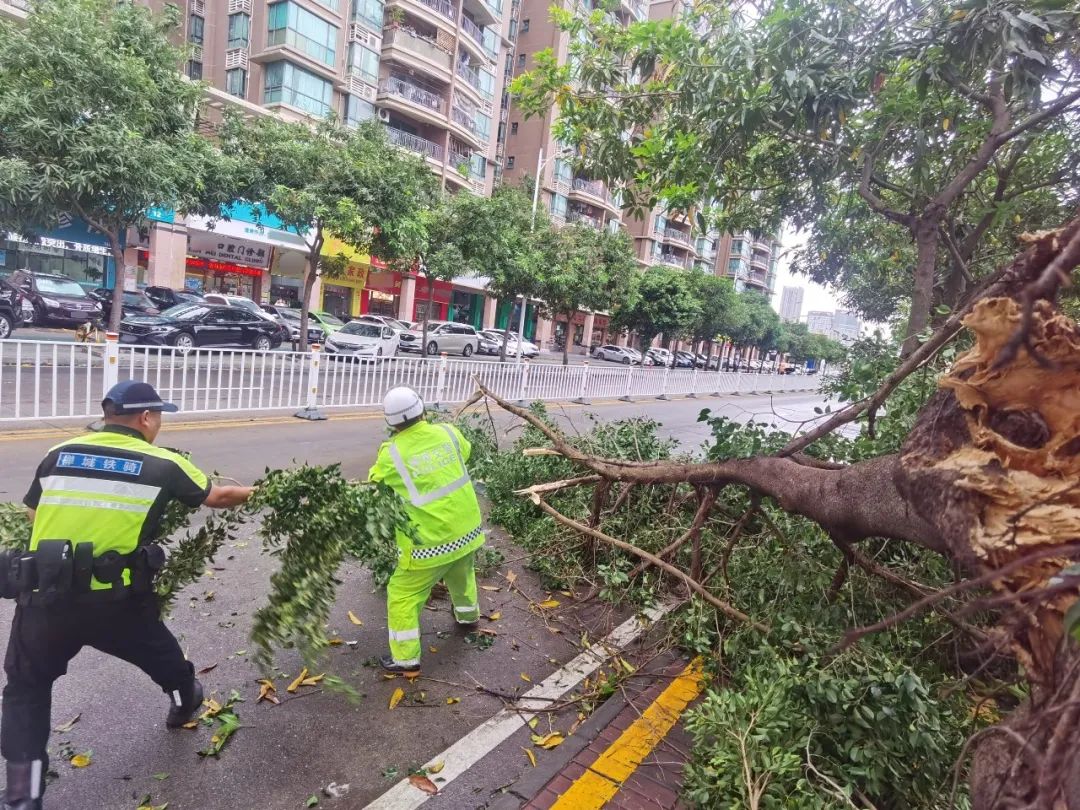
491 42
369 12
194 70
363 62
563 171
737 247
513 30
513 128
288 84
735 266
358 110
478 166
236 82
558 205
330 4
482 126
510 162
487 84
289 24
521 60
525 26
196 24
239 30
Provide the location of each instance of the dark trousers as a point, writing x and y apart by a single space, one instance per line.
43 641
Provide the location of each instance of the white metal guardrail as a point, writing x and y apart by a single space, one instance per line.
48 380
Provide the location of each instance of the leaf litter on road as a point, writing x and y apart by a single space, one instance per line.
421 782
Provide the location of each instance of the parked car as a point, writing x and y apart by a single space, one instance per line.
239 301
55 300
290 319
11 312
132 303
489 344
165 297
685 360
713 363
617 354
639 358
360 340
660 357
326 321
528 348
443 336
384 320
203 325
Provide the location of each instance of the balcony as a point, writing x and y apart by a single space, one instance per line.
473 30
433 57
763 245
414 143
393 86
443 8
584 219
758 280
472 77
759 261
673 235
593 188
670 260
485 12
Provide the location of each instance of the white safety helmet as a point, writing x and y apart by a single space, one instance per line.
402 404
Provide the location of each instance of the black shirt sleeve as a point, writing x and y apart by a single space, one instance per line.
187 483
33 495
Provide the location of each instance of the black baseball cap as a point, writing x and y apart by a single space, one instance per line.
136 396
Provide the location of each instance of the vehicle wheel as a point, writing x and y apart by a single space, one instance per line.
261 344
183 342
6 325
433 348
467 350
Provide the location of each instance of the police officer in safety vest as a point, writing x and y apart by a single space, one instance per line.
96 504
425 465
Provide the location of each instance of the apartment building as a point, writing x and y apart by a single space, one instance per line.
749 261
531 147
791 301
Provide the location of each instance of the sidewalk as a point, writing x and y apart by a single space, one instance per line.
628 756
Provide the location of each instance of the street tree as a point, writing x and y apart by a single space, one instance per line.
721 313
508 250
661 301
760 327
945 125
584 269
97 122
325 179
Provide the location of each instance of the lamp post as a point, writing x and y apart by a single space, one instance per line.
532 227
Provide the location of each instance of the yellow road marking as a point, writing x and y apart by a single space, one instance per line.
33 434
598 785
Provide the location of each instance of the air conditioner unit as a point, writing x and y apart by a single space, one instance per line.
384 115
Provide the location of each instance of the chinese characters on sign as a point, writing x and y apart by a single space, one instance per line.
218 247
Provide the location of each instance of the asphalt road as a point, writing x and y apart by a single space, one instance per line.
284 754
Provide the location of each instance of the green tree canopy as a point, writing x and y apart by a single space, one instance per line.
721 310
96 121
584 269
761 326
660 301
945 123
331 180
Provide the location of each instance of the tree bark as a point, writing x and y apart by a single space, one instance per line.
925 232
427 314
116 314
566 340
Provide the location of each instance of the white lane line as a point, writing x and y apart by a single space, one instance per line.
483 739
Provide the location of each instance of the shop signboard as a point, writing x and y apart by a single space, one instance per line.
214 246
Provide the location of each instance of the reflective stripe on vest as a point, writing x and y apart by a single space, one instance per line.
446 548
416 498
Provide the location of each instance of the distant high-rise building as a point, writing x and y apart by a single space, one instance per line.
846 326
791 303
819 323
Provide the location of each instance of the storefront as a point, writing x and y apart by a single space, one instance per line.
208 275
577 330
382 292
74 251
440 293
600 330
467 307
510 312
342 292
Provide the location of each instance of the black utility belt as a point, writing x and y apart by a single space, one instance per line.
58 571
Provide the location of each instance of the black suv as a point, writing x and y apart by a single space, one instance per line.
10 309
56 300
132 302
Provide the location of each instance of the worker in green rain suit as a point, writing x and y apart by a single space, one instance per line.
425 465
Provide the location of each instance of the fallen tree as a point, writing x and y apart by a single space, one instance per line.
988 478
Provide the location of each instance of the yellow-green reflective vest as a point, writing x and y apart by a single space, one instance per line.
109 489
425 465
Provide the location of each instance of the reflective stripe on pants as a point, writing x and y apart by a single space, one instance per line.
408 592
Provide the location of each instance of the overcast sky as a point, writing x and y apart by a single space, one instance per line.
816 296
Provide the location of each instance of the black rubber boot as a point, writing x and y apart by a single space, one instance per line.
388 664
188 707
25 784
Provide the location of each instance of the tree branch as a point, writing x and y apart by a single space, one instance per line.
875 202
725 608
